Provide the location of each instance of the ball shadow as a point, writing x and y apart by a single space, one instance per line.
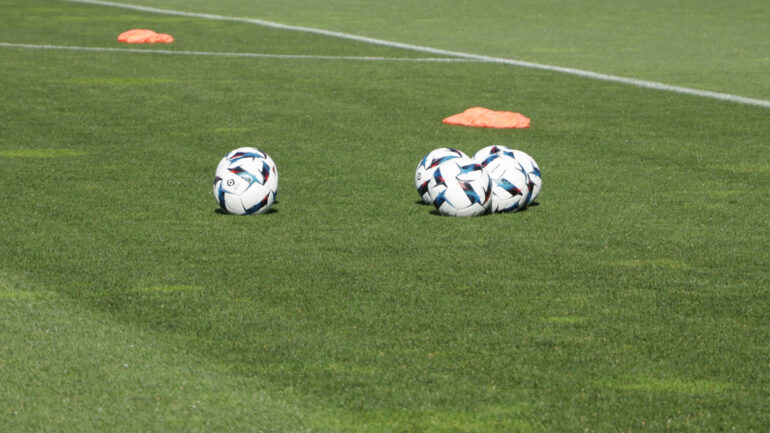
435 212
221 211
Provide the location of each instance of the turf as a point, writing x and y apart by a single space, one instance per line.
703 44
633 297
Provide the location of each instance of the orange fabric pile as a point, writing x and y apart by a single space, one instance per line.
486 118
144 36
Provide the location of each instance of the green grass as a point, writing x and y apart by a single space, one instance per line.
704 44
634 297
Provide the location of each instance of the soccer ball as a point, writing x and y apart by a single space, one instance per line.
488 151
510 183
535 181
246 182
428 164
460 187
533 171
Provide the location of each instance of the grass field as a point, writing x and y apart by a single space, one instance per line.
634 297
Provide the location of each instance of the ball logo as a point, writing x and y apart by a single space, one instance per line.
230 182
419 176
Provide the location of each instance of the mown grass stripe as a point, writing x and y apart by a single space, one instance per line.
39 153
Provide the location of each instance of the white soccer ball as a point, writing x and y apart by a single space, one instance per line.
486 152
460 187
533 171
428 164
526 161
246 182
510 183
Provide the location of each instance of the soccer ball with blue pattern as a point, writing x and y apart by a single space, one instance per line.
510 183
460 187
246 182
534 179
488 151
428 165
533 172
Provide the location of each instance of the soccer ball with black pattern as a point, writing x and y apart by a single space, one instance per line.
535 180
510 183
533 172
246 182
460 187
428 165
488 151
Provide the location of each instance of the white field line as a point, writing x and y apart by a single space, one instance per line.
436 51
226 54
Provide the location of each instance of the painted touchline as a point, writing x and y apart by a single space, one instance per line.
226 54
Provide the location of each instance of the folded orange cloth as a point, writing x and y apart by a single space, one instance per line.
486 118
144 36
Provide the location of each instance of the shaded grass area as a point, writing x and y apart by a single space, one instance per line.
633 296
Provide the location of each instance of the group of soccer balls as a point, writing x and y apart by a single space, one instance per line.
496 179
